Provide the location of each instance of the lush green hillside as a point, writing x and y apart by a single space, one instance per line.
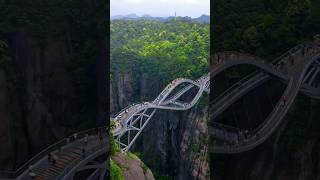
177 48
263 27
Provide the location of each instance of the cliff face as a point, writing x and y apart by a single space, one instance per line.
121 92
37 101
6 136
40 100
173 143
122 89
48 93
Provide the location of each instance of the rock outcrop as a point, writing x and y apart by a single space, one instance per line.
132 167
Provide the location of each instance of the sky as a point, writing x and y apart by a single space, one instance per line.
160 8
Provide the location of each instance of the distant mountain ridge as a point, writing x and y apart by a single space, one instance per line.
202 19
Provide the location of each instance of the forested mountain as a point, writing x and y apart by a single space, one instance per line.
201 19
263 27
176 48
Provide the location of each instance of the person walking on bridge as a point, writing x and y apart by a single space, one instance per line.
75 136
32 174
100 137
284 100
83 152
86 140
54 159
291 59
59 151
49 158
97 130
246 134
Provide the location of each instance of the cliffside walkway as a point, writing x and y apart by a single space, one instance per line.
298 68
131 121
73 154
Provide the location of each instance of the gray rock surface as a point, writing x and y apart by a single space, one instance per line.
133 168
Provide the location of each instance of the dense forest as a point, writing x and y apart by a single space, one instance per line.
263 27
166 50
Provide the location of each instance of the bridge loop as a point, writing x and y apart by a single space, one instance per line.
293 68
131 121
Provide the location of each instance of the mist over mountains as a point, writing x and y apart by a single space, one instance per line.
202 19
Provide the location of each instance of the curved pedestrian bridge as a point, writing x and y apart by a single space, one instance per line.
131 121
298 68
81 152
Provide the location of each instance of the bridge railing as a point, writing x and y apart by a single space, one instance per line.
225 133
237 84
76 161
227 127
165 90
235 54
127 107
46 151
293 50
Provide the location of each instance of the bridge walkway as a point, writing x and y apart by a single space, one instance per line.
67 157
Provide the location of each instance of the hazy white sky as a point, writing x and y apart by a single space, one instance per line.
161 8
